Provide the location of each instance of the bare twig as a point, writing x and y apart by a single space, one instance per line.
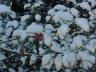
14 52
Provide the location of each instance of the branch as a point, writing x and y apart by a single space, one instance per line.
14 52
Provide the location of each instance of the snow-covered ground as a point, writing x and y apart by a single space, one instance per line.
61 39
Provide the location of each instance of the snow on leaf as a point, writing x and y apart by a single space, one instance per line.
47 61
83 23
2 57
77 42
38 17
33 59
34 28
61 16
69 59
13 23
4 9
56 47
25 17
63 30
11 70
47 38
58 62
23 59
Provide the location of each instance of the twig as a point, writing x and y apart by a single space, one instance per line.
14 52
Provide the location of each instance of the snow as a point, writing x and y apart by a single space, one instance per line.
2 57
23 59
48 18
11 70
37 4
56 47
63 30
87 59
69 59
46 58
19 33
47 38
0 23
93 2
4 9
38 17
86 64
61 16
74 12
41 51
58 62
77 42
56 9
49 27
48 66
13 14
25 17
1 29
33 59
85 5
34 28
91 46
13 23
27 5
46 61
83 23
60 7
60 48
9 31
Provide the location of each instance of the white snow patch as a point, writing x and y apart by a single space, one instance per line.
58 62
60 7
63 30
87 59
48 18
77 42
38 17
34 28
47 38
23 59
41 51
11 70
69 59
20 33
47 61
2 57
9 31
33 59
4 9
85 56
56 47
93 2
56 9
83 23
27 5
75 12
91 46
49 27
14 24
85 5
25 17
61 16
